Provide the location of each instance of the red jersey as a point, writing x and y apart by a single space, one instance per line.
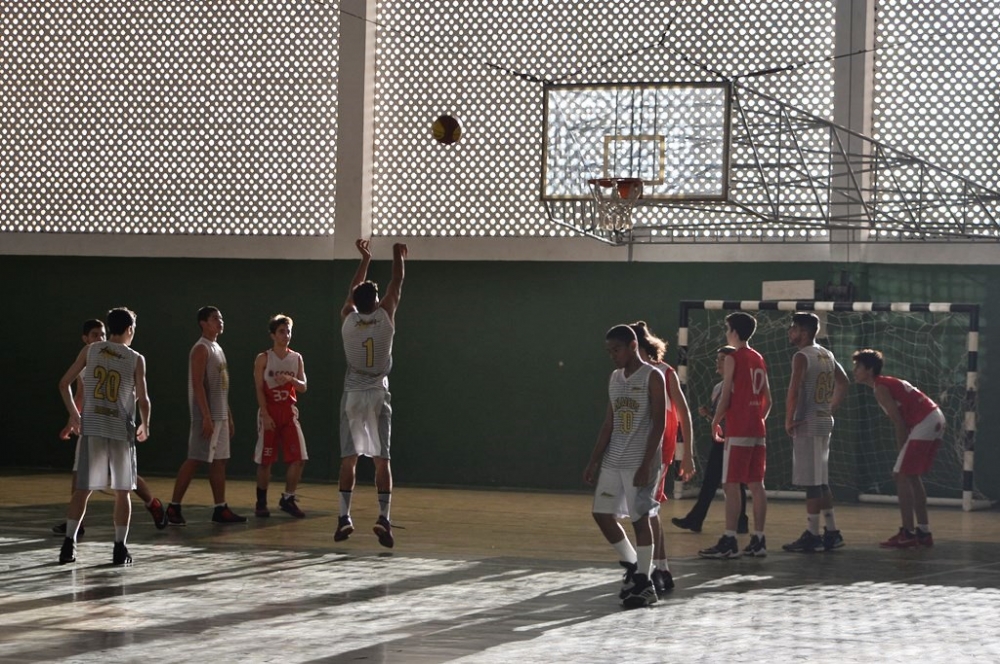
913 404
745 416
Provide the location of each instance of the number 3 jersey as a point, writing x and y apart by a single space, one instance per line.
109 391
812 410
368 349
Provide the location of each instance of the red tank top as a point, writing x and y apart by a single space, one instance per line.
745 416
673 420
913 404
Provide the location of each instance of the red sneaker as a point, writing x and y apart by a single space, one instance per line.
924 539
158 513
901 540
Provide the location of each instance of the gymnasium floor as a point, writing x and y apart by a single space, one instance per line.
478 576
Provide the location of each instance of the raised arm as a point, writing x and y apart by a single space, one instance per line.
391 299
359 276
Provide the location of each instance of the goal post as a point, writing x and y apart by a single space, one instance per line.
933 345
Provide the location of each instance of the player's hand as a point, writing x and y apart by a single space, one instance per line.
72 427
142 433
232 427
703 411
363 248
267 421
687 468
717 434
590 473
207 428
399 249
790 428
641 477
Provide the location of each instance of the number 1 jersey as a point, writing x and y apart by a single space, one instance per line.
368 349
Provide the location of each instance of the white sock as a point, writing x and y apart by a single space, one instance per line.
730 533
924 528
831 522
384 502
662 564
72 527
625 551
813 520
345 503
218 505
121 532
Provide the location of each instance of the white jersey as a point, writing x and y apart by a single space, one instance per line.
368 349
216 383
812 411
632 419
109 391
276 366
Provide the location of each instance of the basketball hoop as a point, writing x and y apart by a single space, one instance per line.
614 199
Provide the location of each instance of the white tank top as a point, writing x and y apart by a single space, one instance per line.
816 393
275 367
216 383
109 391
632 423
368 349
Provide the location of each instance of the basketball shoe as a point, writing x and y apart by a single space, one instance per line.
383 529
904 539
757 548
924 539
642 593
726 547
67 554
289 505
627 582
832 539
223 514
120 556
158 513
806 543
663 581
344 528
174 516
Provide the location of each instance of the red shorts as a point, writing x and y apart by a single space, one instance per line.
744 460
922 445
286 436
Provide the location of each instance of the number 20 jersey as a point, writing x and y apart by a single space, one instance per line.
109 391
368 349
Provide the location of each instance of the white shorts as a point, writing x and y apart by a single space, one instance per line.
615 494
811 460
365 423
76 454
209 450
106 463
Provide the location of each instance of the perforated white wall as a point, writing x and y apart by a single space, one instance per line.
936 92
168 117
435 57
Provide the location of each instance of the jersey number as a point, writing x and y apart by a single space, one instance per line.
108 383
824 387
369 345
757 380
625 421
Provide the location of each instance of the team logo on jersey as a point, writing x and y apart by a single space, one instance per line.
107 351
365 323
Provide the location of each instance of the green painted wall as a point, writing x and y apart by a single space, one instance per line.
500 373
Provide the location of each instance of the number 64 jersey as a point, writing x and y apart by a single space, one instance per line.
812 410
109 391
368 349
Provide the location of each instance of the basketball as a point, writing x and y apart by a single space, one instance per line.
447 130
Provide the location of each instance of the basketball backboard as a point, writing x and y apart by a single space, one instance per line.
672 136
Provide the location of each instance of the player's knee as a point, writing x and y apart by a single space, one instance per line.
813 492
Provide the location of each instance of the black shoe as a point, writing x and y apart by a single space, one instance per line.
67 554
121 555
627 583
743 527
383 529
663 581
61 530
726 547
174 516
832 539
291 507
344 528
642 593
686 524
757 548
806 543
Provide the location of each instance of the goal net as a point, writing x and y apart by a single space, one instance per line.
933 346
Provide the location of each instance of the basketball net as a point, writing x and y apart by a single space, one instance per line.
614 199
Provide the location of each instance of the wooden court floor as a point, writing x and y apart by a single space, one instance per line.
478 576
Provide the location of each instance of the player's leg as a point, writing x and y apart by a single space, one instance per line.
217 475
263 456
293 446
199 452
380 420
711 479
60 529
755 485
733 469
123 480
806 472
347 474
608 505
641 502
152 503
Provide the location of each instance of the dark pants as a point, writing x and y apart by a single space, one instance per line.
710 484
